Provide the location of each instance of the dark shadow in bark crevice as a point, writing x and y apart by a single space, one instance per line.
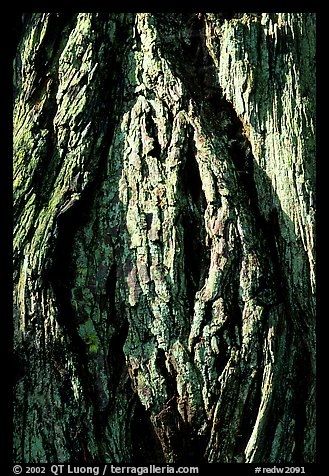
146 447
196 253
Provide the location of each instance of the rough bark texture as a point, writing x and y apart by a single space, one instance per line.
164 199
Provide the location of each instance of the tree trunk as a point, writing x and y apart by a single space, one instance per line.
164 201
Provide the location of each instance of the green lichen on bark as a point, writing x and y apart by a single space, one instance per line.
164 238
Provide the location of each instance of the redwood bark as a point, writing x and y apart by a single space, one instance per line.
164 207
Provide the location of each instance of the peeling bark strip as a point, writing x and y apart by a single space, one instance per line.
164 194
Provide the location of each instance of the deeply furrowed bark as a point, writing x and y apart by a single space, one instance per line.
164 201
